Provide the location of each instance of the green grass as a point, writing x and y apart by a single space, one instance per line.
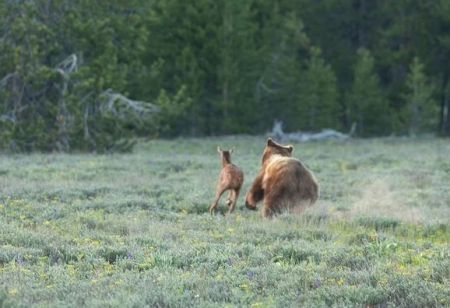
133 229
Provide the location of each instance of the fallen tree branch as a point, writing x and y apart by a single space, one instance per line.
326 134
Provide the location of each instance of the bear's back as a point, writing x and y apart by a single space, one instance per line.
284 166
287 175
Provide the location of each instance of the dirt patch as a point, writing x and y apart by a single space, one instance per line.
377 199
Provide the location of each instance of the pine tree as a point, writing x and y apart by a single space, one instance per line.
441 54
318 106
421 112
366 104
237 67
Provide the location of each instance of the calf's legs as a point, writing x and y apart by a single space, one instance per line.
234 194
213 206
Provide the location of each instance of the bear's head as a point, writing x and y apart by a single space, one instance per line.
273 148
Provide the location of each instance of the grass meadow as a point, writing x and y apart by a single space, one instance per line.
133 230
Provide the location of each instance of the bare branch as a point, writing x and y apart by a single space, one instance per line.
4 80
7 118
118 105
68 65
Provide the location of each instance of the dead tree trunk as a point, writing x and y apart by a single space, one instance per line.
444 121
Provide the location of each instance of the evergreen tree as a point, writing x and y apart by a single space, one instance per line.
366 104
421 109
318 105
237 67
404 31
55 104
284 56
440 53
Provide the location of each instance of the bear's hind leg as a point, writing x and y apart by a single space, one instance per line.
266 212
272 204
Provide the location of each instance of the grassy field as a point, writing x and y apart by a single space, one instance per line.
133 229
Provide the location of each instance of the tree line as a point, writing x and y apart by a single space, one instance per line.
92 75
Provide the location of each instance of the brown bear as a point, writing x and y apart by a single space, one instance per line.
283 183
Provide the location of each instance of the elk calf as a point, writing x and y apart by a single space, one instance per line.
230 178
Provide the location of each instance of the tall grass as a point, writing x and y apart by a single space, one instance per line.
133 229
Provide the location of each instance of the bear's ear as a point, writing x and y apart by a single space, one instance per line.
219 150
290 148
270 142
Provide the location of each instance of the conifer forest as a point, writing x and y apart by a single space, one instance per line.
94 75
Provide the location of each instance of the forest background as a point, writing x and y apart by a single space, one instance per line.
93 75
